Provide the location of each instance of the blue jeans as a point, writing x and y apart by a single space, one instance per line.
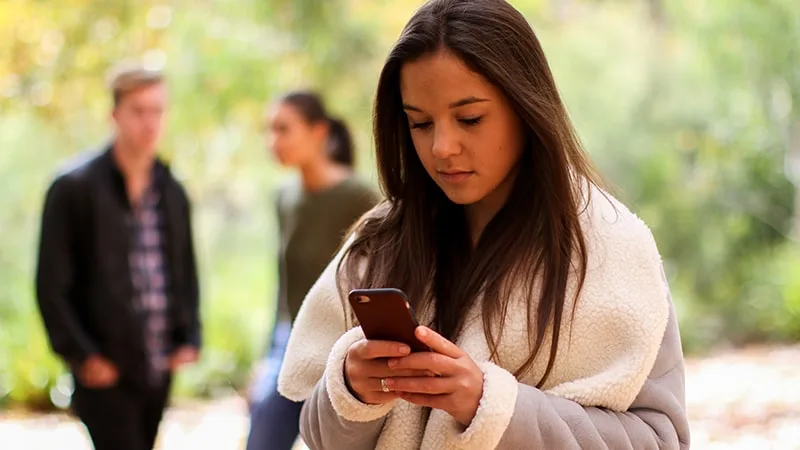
274 419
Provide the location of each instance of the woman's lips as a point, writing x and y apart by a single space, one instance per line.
455 176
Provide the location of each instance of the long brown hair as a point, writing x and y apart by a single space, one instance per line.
420 242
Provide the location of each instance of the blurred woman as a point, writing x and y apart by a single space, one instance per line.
315 210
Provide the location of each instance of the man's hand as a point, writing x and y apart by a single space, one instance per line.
98 373
182 356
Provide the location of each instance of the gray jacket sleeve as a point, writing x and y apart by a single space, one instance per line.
655 420
322 428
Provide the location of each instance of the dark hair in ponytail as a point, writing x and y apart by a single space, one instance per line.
340 142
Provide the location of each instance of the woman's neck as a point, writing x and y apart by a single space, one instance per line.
478 216
322 174
481 213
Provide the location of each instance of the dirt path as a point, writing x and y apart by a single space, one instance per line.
747 399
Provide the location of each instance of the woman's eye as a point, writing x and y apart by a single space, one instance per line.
471 121
420 126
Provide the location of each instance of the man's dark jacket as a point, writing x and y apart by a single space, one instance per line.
83 279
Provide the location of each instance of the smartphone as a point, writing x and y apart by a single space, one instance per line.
386 315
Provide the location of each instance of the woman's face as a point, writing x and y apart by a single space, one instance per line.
292 139
464 130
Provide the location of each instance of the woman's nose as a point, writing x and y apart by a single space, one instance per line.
445 143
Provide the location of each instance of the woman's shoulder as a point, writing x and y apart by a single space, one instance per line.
379 211
357 187
624 270
607 219
623 256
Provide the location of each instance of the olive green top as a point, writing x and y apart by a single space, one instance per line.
312 227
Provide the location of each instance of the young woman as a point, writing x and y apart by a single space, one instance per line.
315 211
548 316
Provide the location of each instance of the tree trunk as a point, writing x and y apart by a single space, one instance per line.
658 15
792 170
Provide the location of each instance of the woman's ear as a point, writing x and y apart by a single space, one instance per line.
320 130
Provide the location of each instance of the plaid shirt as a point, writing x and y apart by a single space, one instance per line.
148 274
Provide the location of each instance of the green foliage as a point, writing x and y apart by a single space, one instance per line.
225 62
689 119
687 108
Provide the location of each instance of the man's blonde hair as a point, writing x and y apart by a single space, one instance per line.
128 77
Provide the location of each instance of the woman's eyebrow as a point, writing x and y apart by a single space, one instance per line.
467 101
457 104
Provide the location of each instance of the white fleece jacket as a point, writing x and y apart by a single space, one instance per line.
604 357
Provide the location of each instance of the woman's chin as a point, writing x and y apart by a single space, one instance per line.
462 198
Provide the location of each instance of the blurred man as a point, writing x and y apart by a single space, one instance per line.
116 280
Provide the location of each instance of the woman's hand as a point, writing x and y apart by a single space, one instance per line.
457 390
366 370
183 356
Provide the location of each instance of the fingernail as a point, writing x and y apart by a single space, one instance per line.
404 349
389 382
422 331
392 363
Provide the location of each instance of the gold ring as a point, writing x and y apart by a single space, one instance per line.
384 388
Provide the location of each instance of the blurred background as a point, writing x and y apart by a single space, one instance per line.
690 108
